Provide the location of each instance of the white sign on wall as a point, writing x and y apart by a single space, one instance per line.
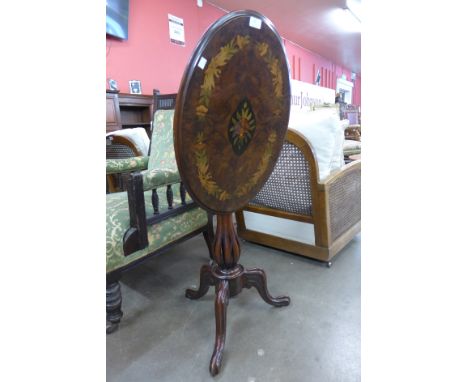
304 95
176 30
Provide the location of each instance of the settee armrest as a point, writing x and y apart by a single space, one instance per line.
136 236
342 191
117 166
346 175
159 177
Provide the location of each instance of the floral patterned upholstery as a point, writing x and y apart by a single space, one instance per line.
158 177
162 165
159 235
116 166
160 169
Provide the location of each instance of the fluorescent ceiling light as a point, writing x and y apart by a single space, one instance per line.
354 7
344 20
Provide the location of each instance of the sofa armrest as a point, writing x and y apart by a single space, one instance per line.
117 166
156 178
342 175
136 236
342 190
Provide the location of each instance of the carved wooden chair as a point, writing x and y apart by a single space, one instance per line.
314 218
154 214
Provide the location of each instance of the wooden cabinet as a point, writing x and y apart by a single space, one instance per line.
113 121
128 110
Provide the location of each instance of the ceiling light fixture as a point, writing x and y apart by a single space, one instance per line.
344 21
354 7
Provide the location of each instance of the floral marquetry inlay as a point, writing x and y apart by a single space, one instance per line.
242 127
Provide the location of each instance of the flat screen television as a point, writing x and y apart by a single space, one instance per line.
117 18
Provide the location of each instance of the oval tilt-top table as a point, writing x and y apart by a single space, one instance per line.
231 116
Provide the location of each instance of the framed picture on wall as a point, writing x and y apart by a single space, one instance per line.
135 86
113 84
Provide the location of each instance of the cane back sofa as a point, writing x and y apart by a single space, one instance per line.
321 216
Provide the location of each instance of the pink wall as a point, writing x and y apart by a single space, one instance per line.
150 57
305 63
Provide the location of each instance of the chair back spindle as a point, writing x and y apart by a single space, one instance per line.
170 197
155 201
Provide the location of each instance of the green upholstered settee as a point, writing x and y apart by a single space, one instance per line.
153 214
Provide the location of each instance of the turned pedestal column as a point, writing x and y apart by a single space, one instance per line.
229 278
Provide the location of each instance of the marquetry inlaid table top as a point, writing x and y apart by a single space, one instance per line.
232 112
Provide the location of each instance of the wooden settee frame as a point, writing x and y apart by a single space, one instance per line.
136 236
331 234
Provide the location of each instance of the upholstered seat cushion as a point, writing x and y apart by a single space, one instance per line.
159 235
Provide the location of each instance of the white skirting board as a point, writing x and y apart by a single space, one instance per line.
285 228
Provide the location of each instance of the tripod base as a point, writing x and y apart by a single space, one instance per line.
229 283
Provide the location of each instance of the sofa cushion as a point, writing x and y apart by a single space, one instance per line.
162 154
337 160
159 235
322 128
